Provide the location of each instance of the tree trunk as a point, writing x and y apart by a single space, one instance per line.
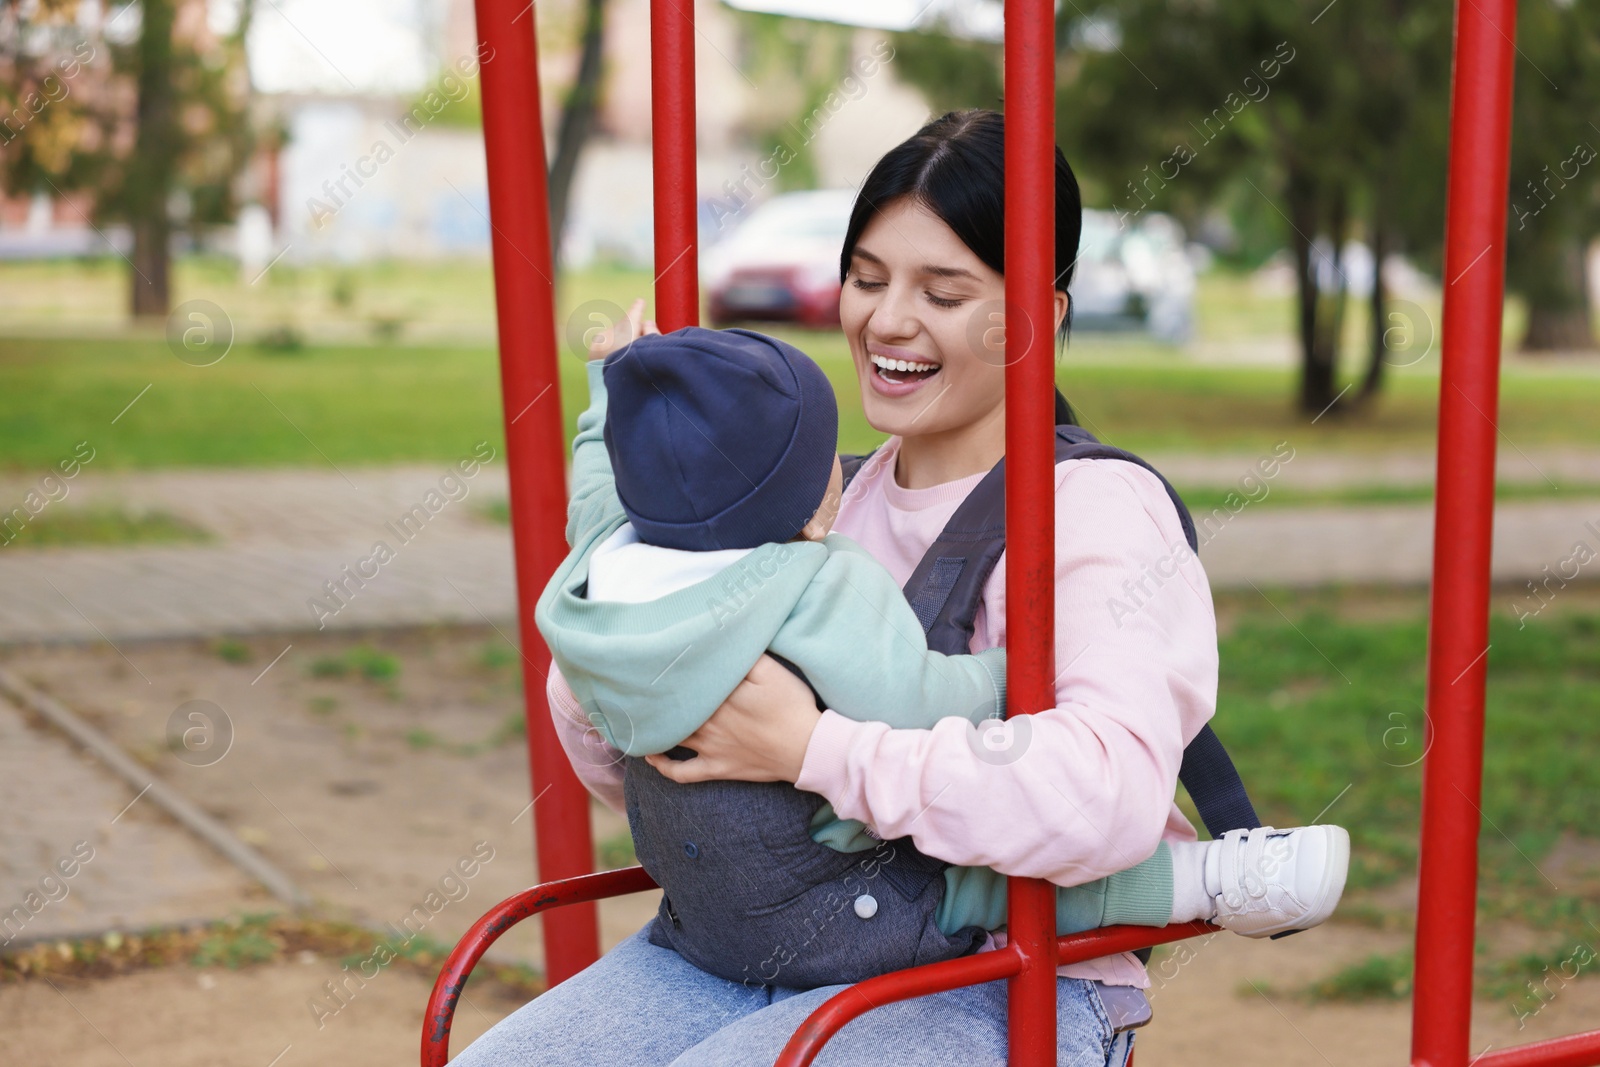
1377 328
1331 306
151 170
1554 278
578 113
1316 373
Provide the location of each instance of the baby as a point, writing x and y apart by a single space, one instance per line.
705 482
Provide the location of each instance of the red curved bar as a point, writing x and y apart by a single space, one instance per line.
536 454
1458 617
862 997
487 930
1578 1050
1092 944
836 1011
1030 271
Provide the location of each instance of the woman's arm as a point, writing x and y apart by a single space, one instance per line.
1071 793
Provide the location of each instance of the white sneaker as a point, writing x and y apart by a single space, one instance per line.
1268 881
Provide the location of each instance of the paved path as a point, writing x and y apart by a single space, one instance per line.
130 866
1308 469
283 535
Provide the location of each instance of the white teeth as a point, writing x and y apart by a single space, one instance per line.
902 365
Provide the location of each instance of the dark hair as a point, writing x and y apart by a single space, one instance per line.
955 167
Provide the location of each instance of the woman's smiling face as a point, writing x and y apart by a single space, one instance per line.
913 307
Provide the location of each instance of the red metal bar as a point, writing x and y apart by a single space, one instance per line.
1578 1050
1030 475
1474 268
862 997
487 930
673 164
831 1017
513 136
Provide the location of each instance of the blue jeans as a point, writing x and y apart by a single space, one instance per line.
642 1005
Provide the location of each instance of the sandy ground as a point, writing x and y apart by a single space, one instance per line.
359 790
365 792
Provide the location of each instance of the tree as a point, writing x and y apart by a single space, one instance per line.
146 114
1316 122
1324 112
1554 212
579 109
151 170
800 65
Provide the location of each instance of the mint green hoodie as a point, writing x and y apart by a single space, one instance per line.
649 674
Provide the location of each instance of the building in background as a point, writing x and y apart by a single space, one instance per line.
373 172
370 146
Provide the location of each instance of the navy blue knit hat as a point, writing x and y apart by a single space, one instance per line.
718 438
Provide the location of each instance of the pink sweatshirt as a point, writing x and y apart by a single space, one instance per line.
1091 788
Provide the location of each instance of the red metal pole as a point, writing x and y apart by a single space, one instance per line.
1474 268
673 165
513 135
1030 475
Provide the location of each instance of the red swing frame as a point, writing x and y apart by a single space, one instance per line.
1464 509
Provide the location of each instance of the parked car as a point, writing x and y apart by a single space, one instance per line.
1136 276
782 263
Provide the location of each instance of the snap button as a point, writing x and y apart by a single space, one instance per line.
866 906
690 849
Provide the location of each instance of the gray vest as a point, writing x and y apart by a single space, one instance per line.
751 898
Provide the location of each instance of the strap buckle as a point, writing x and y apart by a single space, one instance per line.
1125 1006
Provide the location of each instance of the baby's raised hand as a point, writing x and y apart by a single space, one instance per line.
625 330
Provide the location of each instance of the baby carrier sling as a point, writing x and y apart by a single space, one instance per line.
750 897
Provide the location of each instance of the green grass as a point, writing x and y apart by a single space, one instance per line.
358 404
345 405
342 399
100 525
1536 976
1206 498
1344 696
1322 711
511 728
496 656
363 660
420 739
1377 977
235 945
615 851
245 941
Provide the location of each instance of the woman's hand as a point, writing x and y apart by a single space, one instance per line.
759 734
625 330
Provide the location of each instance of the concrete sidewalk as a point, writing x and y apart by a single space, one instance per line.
130 866
285 538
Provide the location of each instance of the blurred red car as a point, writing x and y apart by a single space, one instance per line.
782 262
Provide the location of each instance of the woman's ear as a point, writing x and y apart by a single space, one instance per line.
1062 303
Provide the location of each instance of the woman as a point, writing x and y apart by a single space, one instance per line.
1084 789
